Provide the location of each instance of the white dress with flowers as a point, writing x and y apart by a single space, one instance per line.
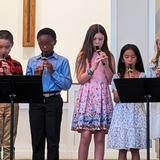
128 124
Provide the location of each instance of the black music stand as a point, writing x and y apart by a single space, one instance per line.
137 90
19 89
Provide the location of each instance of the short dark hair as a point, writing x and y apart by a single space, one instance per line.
5 34
47 31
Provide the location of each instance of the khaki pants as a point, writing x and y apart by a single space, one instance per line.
5 119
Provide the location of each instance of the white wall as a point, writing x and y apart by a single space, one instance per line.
133 22
133 28
157 16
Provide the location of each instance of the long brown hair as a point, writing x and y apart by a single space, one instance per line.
86 53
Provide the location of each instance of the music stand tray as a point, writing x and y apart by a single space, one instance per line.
19 89
139 90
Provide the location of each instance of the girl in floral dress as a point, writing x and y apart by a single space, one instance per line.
128 125
95 66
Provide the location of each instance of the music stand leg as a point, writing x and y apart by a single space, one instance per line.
148 127
12 96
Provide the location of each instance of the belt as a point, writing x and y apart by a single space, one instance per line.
49 94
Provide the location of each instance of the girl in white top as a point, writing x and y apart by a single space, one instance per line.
154 71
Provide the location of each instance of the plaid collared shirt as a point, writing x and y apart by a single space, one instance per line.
15 66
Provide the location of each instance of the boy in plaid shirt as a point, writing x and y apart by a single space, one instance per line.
8 66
